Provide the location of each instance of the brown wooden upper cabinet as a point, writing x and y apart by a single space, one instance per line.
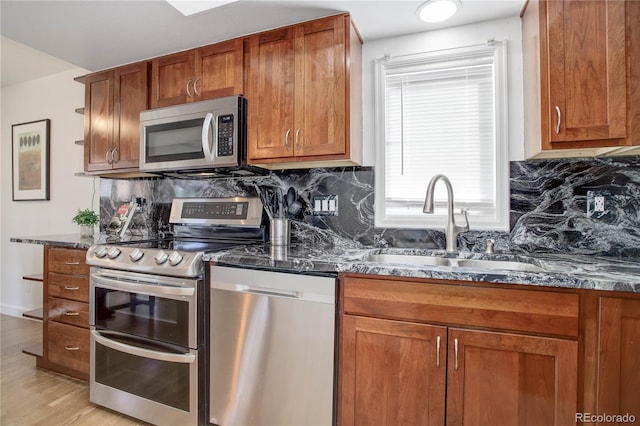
113 101
581 68
304 93
195 75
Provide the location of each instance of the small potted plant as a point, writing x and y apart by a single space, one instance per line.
87 219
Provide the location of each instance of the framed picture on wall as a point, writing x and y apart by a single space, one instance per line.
30 160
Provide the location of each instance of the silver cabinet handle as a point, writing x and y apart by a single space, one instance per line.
195 87
115 155
438 352
71 263
71 288
72 314
189 92
286 139
71 348
109 156
559 119
297 140
455 349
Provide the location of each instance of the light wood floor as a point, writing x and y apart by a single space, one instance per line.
30 396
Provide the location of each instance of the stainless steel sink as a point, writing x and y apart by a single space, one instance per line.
408 259
496 264
420 260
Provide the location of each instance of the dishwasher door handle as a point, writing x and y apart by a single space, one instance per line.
270 292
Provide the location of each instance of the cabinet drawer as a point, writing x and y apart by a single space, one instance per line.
68 286
437 302
67 261
68 346
69 312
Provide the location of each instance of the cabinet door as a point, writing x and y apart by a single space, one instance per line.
586 78
618 357
391 373
218 70
131 97
510 379
68 346
98 121
73 287
68 312
320 88
172 79
67 261
270 93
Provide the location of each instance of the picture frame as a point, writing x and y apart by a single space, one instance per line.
30 160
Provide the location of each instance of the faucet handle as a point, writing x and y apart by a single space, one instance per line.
465 213
490 246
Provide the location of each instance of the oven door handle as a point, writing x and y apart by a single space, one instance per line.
145 353
138 287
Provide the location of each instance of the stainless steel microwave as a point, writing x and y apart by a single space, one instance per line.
203 135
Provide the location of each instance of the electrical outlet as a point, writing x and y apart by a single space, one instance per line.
598 204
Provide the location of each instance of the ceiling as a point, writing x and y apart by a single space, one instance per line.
45 37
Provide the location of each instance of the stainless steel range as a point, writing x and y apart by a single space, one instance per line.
148 311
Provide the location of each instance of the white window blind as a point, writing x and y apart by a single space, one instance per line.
442 113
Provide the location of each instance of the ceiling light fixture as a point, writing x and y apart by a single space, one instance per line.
438 10
191 7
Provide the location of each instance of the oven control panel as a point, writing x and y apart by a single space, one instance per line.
215 210
234 211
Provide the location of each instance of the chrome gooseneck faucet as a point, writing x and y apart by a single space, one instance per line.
452 230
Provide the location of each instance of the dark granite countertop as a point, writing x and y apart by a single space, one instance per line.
563 271
61 240
69 240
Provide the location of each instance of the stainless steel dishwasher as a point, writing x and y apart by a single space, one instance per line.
272 347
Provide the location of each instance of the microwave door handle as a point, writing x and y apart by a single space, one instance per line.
208 145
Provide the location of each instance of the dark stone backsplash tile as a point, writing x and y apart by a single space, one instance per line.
548 206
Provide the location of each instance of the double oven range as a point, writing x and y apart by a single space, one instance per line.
149 316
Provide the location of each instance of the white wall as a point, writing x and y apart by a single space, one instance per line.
54 97
467 35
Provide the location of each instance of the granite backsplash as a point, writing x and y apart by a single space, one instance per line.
549 202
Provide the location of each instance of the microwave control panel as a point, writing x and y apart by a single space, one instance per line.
225 135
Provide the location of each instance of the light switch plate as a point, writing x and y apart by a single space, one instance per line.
325 205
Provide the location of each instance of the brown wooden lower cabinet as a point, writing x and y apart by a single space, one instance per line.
69 346
405 372
618 389
65 339
393 373
510 379
69 312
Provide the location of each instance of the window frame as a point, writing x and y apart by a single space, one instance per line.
499 221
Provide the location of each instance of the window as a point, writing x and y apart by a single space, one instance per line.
442 112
